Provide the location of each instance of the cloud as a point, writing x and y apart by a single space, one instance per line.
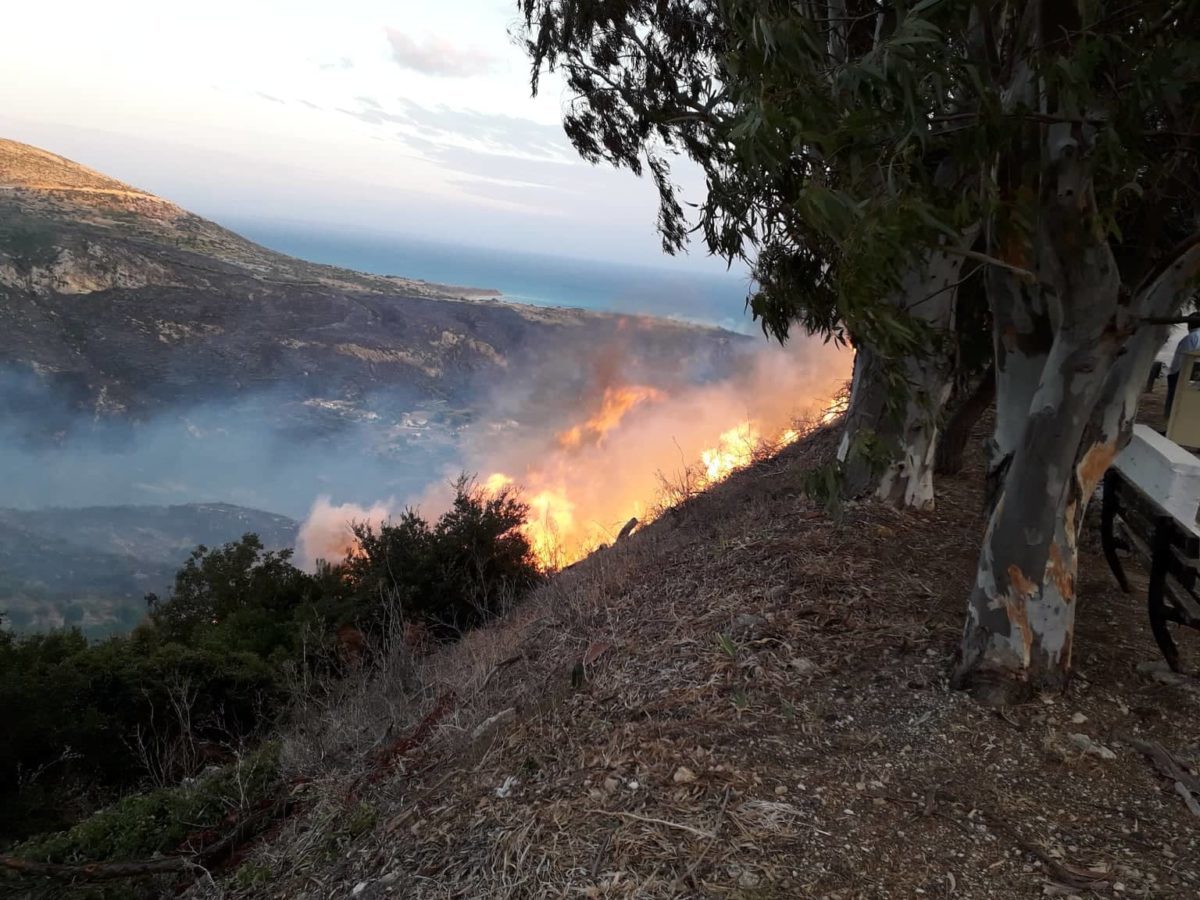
499 132
430 129
270 97
438 57
512 160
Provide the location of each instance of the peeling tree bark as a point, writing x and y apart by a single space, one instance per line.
1020 627
1021 616
909 434
1022 335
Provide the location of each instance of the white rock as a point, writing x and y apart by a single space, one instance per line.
1087 745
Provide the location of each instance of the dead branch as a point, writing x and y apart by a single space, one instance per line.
1186 784
386 757
138 868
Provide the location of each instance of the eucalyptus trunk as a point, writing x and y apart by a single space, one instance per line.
1056 440
1021 616
903 425
952 447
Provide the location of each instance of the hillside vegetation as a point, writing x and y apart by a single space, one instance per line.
750 699
92 567
747 699
218 660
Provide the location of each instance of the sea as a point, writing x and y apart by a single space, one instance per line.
702 293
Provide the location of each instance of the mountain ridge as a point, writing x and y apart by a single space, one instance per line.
156 276
161 354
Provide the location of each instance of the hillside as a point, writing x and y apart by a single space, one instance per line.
127 305
78 211
765 713
92 567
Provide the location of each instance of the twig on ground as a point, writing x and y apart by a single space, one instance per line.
1186 784
707 835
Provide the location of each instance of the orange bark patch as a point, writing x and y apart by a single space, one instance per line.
1061 573
1093 465
1070 527
1018 615
1014 607
1017 578
1015 251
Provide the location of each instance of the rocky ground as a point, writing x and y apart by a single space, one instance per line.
749 699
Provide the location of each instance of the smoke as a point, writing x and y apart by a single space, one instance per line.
586 437
617 443
271 449
327 532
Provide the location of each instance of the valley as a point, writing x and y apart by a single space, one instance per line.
152 358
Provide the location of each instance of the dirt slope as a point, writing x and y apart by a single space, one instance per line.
765 714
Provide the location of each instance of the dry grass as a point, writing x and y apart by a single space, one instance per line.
769 718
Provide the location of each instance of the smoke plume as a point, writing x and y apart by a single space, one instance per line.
623 446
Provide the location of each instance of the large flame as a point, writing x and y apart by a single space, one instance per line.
735 450
617 401
637 448
634 449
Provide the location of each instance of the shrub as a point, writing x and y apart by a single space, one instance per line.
452 575
166 821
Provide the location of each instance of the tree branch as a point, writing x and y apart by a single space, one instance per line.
139 868
990 261
1182 255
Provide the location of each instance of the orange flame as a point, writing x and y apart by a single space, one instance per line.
559 536
582 483
617 401
735 450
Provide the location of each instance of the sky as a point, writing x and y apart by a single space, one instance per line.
409 117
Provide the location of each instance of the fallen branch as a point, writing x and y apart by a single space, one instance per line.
1186 784
246 828
95 871
384 759
1073 876
503 664
216 852
706 835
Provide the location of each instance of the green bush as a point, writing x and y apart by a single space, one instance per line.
163 822
140 826
84 721
452 575
209 670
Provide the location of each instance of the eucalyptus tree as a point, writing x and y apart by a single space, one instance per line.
877 157
758 96
1090 167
